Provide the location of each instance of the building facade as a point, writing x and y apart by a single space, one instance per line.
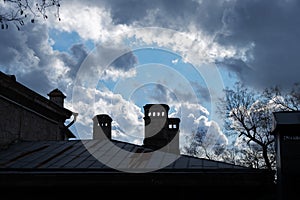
287 143
28 116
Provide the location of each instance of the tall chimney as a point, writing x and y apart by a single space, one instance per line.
102 127
161 132
57 97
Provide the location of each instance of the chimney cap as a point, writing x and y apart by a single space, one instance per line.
174 120
150 105
103 117
56 93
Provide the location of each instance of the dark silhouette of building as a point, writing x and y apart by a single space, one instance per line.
161 132
44 164
57 97
102 127
26 115
287 142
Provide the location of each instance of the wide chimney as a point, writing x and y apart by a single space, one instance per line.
161 132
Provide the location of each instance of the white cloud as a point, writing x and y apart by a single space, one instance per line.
194 120
116 74
128 124
90 22
127 117
194 46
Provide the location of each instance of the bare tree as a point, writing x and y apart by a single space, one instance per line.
248 115
197 145
17 12
285 101
230 154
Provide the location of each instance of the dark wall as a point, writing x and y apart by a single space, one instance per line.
19 123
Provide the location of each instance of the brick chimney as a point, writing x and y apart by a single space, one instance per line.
57 97
102 127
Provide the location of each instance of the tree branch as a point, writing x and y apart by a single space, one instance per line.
18 10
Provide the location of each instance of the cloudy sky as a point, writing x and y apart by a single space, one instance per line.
114 56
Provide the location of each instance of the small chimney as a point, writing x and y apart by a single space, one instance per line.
173 135
57 97
102 127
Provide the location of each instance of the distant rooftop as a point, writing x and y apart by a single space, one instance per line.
286 122
287 117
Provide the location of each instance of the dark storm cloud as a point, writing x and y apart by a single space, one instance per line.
125 62
239 67
21 55
274 28
175 14
28 55
12 46
74 59
36 80
161 94
201 91
96 62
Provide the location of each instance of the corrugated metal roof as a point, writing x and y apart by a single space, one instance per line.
99 155
53 168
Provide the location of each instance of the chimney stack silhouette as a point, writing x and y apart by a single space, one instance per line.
102 127
57 97
161 132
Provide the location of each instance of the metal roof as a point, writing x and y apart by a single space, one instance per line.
100 155
44 168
